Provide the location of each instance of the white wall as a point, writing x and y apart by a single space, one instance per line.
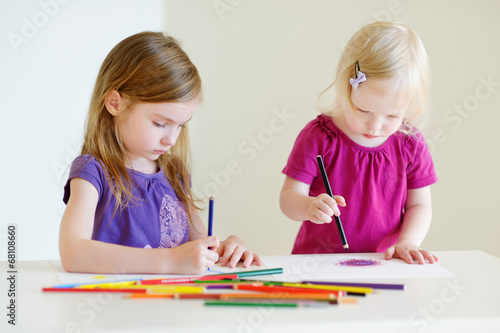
263 63
262 58
51 51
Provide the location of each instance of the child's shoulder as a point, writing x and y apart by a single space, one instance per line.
410 137
321 126
84 160
86 164
413 143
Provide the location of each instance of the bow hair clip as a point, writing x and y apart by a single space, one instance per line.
359 76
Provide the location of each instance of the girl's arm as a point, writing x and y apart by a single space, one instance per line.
79 253
416 223
230 251
296 203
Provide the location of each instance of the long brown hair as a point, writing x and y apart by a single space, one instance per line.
146 67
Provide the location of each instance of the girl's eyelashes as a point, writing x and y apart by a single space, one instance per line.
165 125
395 116
158 125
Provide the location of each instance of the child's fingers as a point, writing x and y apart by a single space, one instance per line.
211 242
322 208
416 255
226 255
248 258
431 258
236 255
406 256
320 217
339 200
389 253
332 204
257 260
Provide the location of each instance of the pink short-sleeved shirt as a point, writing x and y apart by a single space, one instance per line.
373 181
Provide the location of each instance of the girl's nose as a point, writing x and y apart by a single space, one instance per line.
374 124
169 139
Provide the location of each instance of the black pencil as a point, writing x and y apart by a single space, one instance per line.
329 192
210 215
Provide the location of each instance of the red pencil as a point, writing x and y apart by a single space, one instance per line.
285 290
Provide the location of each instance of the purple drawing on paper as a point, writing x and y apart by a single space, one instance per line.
359 262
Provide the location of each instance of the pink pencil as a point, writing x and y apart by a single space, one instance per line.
96 290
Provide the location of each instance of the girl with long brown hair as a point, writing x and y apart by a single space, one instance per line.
129 205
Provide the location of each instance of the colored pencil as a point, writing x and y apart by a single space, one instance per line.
175 296
233 275
110 285
210 215
259 272
271 304
73 285
170 289
191 279
361 290
97 290
329 192
366 285
287 290
278 296
304 297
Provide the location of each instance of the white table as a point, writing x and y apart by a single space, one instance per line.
470 302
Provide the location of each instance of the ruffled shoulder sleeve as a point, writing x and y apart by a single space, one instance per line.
86 167
316 137
420 168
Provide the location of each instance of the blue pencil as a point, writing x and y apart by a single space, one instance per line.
210 215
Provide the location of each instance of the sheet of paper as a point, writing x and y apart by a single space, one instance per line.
75 278
329 267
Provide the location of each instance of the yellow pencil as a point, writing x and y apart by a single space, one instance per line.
149 288
362 290
169 289
108 285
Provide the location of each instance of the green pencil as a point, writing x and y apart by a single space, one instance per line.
273 304
252 273
259 272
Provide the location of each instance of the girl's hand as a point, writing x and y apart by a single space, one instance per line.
323 207
196 256
410 252
233 249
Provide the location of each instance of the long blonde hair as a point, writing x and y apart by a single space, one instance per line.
385 51
146 67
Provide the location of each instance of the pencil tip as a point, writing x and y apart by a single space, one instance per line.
346 247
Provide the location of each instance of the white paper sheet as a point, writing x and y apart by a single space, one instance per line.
76 278
296 268
326 267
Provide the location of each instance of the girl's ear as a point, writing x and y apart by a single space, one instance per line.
113 102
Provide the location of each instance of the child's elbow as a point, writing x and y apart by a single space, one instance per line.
69 259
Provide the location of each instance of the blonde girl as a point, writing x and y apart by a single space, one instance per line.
375 156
